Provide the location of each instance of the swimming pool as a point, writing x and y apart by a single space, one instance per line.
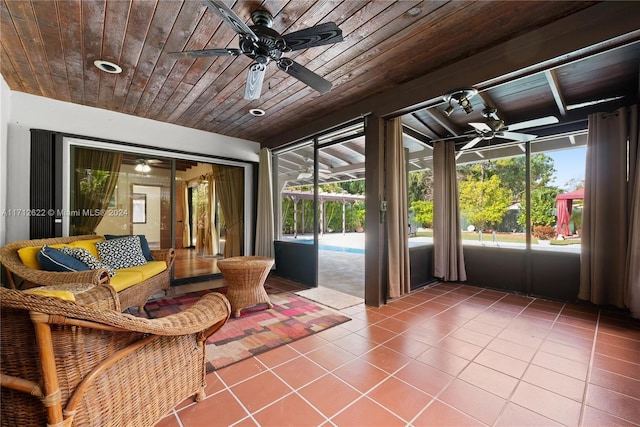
333 248
346 249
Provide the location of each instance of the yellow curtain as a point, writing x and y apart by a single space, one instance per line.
96 179
397 211
229 181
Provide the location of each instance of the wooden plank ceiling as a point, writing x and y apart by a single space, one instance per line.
48 49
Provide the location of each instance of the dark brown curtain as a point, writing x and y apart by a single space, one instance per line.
96 180
230 188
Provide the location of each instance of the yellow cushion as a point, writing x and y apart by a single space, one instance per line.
125 279
150 269
29 255
89 245
65 295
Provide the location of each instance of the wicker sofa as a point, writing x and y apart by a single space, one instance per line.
131 296
85 363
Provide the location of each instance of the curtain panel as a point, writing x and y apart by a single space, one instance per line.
96 179
229 186
632 270
397 211
608 270
210 244
448 258
183 195
264 225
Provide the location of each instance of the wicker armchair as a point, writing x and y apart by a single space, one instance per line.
134 296
85 363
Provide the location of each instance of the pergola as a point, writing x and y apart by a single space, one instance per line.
564 207
297 196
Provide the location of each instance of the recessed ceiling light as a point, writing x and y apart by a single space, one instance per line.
257 112
107 67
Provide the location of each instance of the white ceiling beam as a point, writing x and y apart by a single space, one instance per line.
555 91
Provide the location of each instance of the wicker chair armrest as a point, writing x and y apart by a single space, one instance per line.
211 309
46 278
103 297
167 255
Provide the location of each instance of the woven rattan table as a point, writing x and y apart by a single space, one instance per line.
245 276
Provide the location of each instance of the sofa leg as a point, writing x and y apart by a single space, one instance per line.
141 309
200 395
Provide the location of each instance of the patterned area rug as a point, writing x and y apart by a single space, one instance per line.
257 329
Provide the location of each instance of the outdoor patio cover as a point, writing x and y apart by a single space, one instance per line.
564 205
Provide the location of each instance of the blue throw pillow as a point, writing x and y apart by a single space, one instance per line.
52 259
146 251
85 257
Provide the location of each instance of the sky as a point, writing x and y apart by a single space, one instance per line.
569 164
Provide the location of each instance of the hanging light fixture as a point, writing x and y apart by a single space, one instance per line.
143 166
462 97
449 109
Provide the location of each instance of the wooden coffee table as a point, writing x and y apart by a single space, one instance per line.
245 276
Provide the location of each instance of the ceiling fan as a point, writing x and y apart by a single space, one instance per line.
263 44
306 171
495 127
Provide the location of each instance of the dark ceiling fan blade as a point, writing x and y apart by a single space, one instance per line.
192 54
305 75
327 33
253 87
228 16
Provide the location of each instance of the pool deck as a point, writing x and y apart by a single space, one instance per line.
342 270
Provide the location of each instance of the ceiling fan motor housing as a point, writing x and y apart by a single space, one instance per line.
268 47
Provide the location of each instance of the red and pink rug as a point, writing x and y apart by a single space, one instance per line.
258 329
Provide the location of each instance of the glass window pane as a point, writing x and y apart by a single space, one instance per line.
491 187
557 195
120 193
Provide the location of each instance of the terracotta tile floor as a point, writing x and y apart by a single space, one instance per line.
445 355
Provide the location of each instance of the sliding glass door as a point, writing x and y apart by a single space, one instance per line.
194 206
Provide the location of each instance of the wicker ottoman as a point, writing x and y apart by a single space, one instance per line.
245 276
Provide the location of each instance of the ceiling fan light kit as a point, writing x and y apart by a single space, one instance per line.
462 97
492 127
263 45
143 166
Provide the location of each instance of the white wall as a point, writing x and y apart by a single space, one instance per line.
28 112
5 109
